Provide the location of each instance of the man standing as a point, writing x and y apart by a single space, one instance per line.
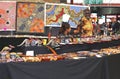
87 23
115 25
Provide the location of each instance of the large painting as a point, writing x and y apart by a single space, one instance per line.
55 12
52 1
30 17
7 15
42 1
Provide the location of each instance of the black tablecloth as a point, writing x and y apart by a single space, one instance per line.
61 49
68 69
86 46
90 68
6 41
70 47
36 49
113 62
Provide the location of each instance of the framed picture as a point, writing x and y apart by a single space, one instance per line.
52 1
7 15
30 17
54 14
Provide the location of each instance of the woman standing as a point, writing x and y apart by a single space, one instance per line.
64 33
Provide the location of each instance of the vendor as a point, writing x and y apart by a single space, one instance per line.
64 33
65 29
115 25
86 25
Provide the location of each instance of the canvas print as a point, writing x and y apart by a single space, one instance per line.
55 12
53 1
7 15
30 17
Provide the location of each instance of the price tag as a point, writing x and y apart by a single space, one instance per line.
30 53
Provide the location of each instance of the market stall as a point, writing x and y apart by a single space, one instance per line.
75 52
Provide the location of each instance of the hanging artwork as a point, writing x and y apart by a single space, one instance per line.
53 1
30 17
54 14
7 15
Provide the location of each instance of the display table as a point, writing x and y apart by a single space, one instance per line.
36 49
107 67
113 66
61 49
69 47
86 46
91 68
68 69
5 41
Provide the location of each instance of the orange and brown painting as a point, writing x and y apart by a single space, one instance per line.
30 17
42 1
56 1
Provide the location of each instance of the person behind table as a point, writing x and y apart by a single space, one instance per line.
86 22
115 25
64 29
64 32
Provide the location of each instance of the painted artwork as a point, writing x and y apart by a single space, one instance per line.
53 1
30 17
42 1
55 12
7 15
